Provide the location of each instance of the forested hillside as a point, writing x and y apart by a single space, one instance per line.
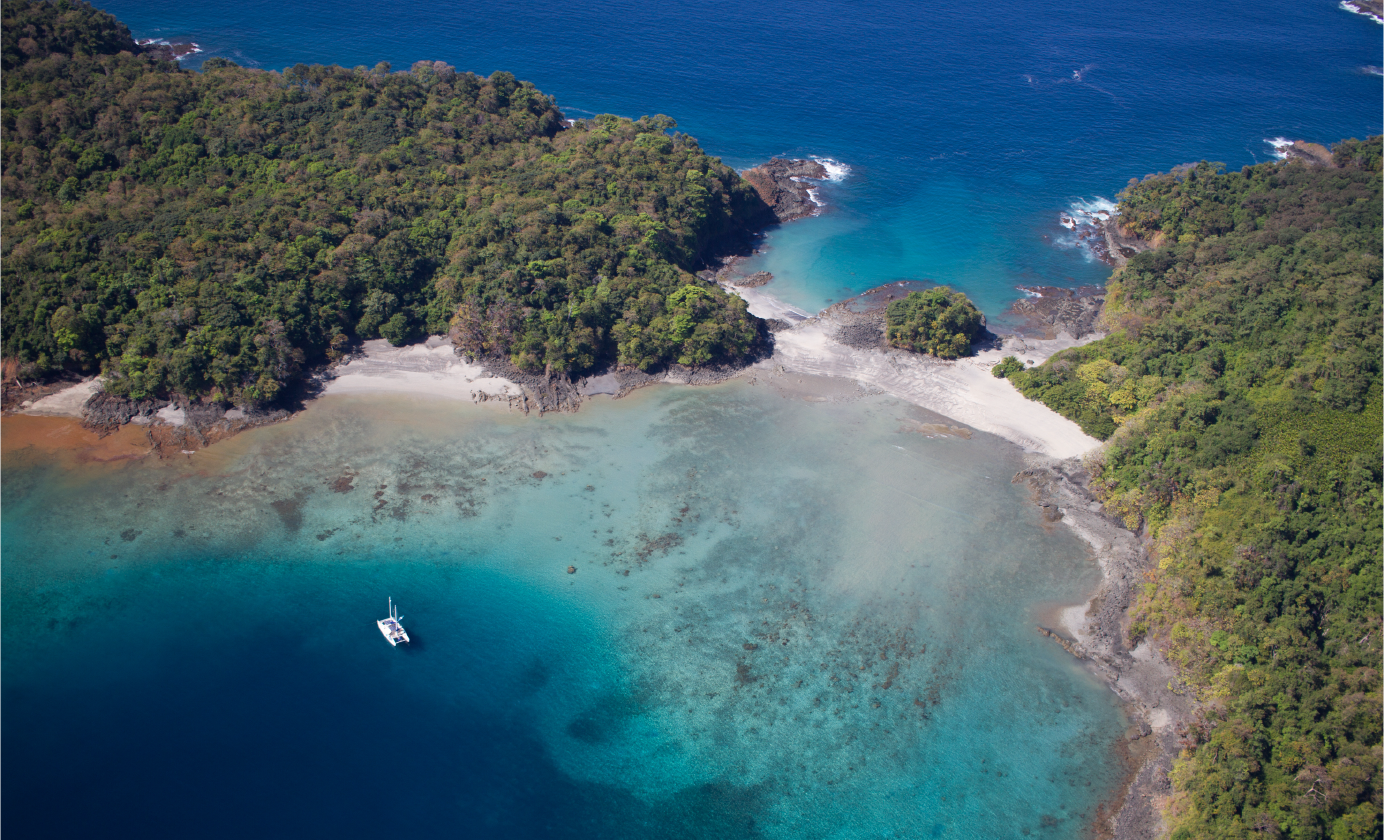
1240 391
214 233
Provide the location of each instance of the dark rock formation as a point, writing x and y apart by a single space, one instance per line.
864 333
1312 154
1119 245
104 413
544 392
1075 312
759 278
203 423
1371 8
779 184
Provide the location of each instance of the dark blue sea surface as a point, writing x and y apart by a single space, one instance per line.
969 128
826 629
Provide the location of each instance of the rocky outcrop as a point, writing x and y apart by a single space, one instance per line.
780 183
1052 310
1155 698
175 427
753 281
1311 154
1372 9
104 413
1120 246
545 392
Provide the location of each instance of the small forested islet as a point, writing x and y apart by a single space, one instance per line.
939 322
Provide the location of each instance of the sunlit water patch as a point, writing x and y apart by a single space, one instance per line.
689 613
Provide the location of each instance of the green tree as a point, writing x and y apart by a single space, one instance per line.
939 322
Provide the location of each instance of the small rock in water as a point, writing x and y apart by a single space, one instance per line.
540 475
750 646
571 570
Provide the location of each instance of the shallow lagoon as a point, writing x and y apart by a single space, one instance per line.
789 618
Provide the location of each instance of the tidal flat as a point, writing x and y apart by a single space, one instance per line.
725 611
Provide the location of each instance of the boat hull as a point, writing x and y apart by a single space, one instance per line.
393 633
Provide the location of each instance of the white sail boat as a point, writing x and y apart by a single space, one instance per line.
391 628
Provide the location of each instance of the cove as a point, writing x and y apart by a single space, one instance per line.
791 616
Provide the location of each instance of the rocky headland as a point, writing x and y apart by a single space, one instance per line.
433 367
1311 154
782 184
1372 9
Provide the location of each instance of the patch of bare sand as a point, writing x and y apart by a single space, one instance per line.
963 390
65 403
429 369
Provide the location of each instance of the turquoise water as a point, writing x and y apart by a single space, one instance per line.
189 647
788 619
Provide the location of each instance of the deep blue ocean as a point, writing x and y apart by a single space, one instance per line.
969 128
788 619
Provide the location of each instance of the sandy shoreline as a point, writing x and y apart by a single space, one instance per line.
429 369
963 390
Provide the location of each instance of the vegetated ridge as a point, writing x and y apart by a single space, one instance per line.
213 234
1240 393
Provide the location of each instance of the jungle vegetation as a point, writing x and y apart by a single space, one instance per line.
1006 366
1239 389
939 322
214 234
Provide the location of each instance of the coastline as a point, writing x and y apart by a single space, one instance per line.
1094 632
843 343
838 350
837 345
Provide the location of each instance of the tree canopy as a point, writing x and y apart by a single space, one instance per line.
1240 391
213 234
939 321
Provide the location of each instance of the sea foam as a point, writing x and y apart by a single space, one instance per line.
836 170
1085 218
1281 145
1360 10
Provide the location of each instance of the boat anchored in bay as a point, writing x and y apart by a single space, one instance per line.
393 631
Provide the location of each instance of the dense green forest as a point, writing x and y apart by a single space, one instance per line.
939 321
212 234
1240 392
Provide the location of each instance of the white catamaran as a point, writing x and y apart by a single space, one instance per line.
391 628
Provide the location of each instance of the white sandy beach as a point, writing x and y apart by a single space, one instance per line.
65 403
963 390
430 369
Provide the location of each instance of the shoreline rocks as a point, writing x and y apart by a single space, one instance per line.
1142 679
1119 245
174 427
1311 154
780 183
545 392
1054 310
